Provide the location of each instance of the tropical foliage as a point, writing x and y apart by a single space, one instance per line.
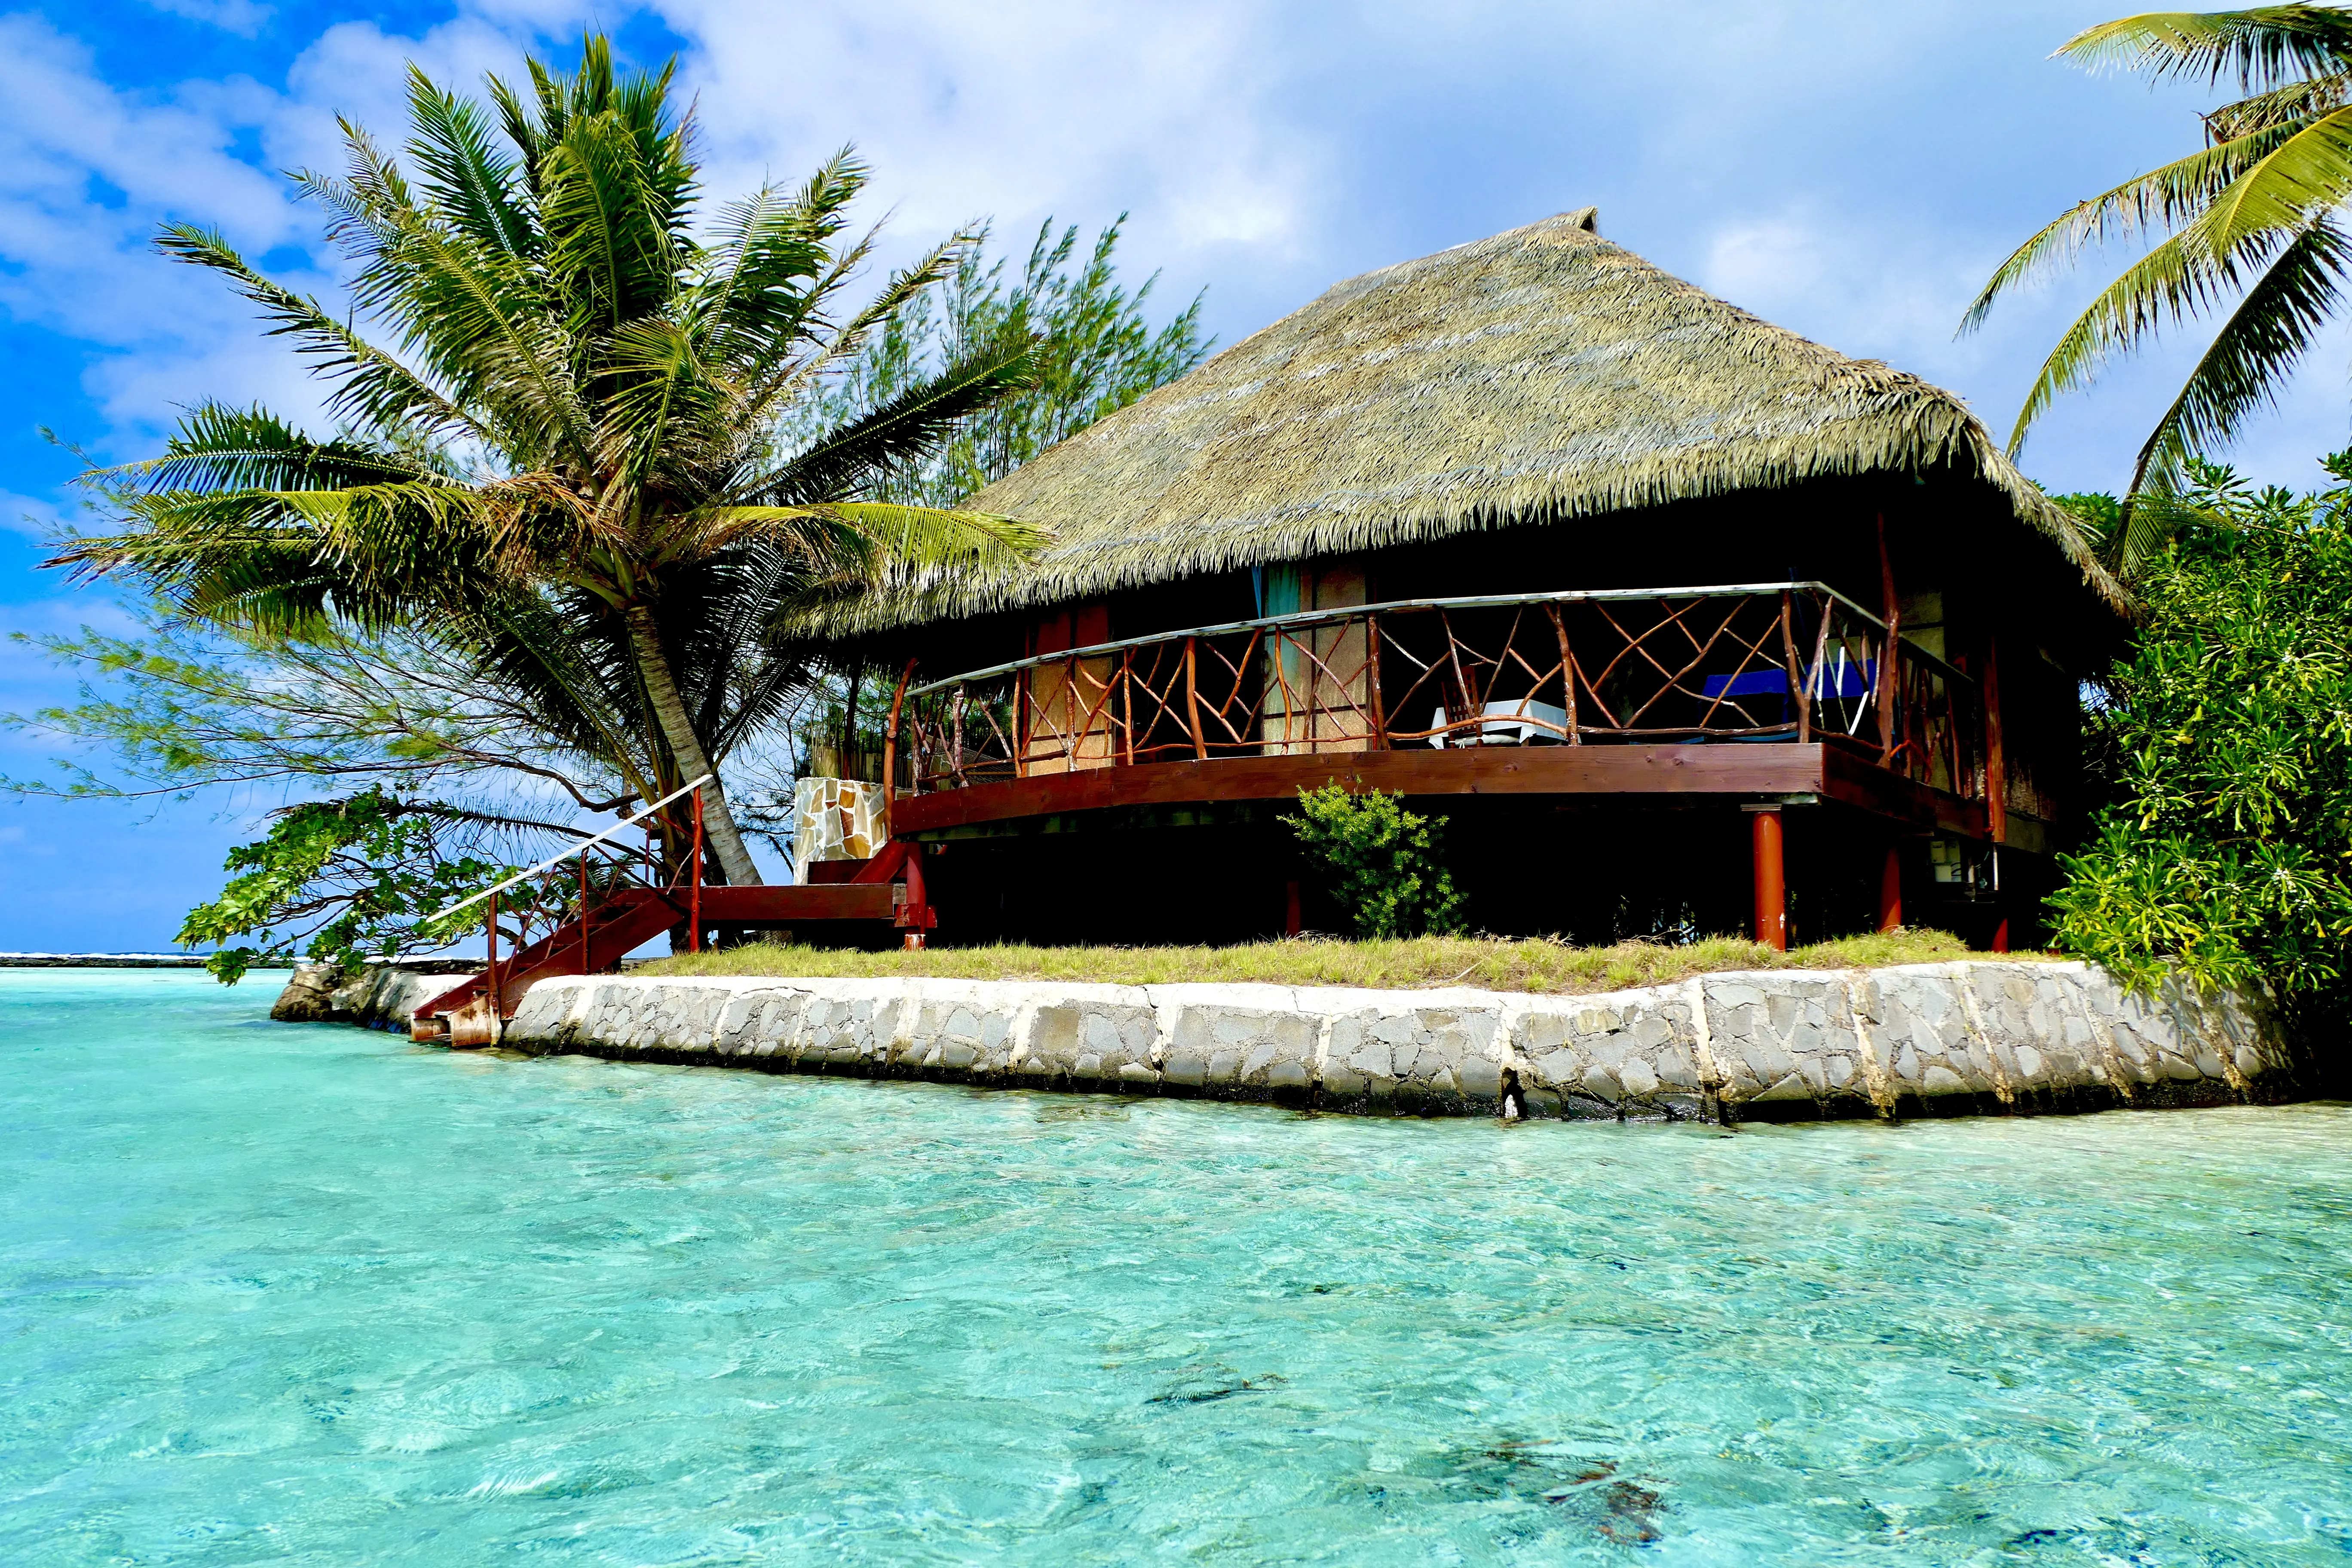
438 770
2250 228
357 873
573 454
434 615
1384 865
2226 738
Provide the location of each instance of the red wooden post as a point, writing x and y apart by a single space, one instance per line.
1890 888
1996 760
1888 658
694 895
1771 879
583 911
1293 920
2000 935
917 896
490 966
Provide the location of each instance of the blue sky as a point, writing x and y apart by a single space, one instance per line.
1851 170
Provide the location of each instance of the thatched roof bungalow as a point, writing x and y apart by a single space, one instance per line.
1417 535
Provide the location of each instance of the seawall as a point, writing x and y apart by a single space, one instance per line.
1948 1038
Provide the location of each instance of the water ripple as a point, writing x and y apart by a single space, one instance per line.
311 1295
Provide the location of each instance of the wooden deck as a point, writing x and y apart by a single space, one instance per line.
1731 773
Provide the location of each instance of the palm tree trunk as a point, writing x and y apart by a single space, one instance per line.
670 708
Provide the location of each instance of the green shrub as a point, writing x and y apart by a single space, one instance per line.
2225 852
1385 864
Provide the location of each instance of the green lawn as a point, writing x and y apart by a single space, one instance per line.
1489 962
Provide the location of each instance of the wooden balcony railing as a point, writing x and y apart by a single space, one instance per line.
1743 663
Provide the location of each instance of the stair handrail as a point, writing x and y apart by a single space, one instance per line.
579 848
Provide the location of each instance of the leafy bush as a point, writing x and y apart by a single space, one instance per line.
1385 863
357 875
2226 850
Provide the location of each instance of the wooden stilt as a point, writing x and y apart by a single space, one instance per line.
1890 888
1889 658
1771 879
916 895
1996 756
694 896
1293 920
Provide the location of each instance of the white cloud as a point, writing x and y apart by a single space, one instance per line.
243 17
1849 171
1023 109
86 172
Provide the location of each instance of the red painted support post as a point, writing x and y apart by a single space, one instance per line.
1771 879
1996 758
694 896
1890 888
1890 664
917 897
490 964
1293 918
583 911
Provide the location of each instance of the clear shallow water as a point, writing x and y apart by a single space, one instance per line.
278 1294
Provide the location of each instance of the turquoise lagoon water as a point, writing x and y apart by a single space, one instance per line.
311 1295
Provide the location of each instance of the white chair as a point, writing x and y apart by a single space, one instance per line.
1507 725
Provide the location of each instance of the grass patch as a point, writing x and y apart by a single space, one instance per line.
1491 963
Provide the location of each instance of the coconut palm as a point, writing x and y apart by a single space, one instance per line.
578 414
2252 222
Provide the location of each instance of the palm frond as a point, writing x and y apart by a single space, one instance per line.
2264 46
371 385
615 214
2242 371
2169 284
665 412
464 176
847 459
2283 108
2307 173
2164 198
218 448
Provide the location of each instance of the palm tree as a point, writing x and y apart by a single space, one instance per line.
581 414
2250 221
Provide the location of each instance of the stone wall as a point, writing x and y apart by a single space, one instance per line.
1978 1036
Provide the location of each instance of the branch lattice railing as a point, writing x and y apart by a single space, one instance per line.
1742 663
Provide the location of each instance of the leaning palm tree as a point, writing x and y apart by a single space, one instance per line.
581 404
2252 227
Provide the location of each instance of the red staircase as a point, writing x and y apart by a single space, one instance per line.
886 892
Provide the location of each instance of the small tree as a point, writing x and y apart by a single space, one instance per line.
2225 852
1385 863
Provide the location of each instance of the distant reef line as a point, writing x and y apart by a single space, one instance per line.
103 960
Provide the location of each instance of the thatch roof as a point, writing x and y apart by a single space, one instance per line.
1542 374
